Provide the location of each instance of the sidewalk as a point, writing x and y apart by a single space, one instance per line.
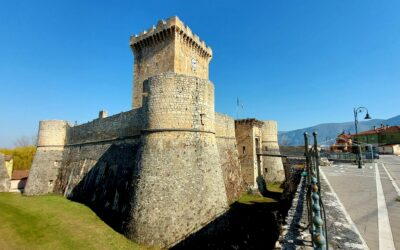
342 233
369 199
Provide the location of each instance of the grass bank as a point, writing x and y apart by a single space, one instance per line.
53 222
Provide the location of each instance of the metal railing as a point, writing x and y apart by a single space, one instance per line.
366 156
316 211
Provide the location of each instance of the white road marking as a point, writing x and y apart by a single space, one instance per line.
351 175
348 218
392 180
385 231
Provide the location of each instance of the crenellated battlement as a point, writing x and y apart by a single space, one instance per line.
171 46
165 30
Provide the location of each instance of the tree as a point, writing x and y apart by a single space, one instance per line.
23 156
25 141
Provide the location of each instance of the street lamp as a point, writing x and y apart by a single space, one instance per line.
367 117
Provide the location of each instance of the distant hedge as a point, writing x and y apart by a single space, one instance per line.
23 156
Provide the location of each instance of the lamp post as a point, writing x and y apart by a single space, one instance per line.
367 117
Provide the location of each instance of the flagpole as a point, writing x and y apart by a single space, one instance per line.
237 108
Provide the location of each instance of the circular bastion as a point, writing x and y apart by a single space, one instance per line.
275 172
52 133
179 102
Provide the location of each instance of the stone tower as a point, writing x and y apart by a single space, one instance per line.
180 186
50 147
273 165
156 172
168 47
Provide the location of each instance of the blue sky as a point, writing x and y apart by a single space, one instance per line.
298 62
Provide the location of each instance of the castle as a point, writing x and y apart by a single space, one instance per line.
169 166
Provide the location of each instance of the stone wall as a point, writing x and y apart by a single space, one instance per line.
180 187
102 175
44 171
248 134
180 171
54 137
141 170
119 126
275 172
4 177
48 158
168 47
179 102
166 168
148 62
52 133
226 142
244 146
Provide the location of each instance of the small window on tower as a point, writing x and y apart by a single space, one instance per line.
202 118
194 64
244 149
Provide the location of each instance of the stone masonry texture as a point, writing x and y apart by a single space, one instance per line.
48 157
169 46
166 168
4 177
229 157
273 166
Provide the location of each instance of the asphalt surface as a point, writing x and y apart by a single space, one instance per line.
371 198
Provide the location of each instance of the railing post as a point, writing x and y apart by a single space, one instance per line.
318 223
317 158
307 174
314 202
306 154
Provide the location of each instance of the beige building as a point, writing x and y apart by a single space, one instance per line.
18 180
393 149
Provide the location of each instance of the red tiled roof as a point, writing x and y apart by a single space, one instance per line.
393 129
369 132
8 157
344 136
390 129
19 174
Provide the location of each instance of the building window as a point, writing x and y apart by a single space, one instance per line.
244 149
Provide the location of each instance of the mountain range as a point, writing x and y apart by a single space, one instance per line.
327 132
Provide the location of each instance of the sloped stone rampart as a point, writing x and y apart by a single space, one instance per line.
179 189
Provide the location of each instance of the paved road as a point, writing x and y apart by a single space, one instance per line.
369 196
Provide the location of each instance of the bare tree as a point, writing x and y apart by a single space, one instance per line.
24 141
34 139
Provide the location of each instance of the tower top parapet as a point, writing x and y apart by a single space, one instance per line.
160 32
171 46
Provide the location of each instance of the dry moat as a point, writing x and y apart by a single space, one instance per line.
253 222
